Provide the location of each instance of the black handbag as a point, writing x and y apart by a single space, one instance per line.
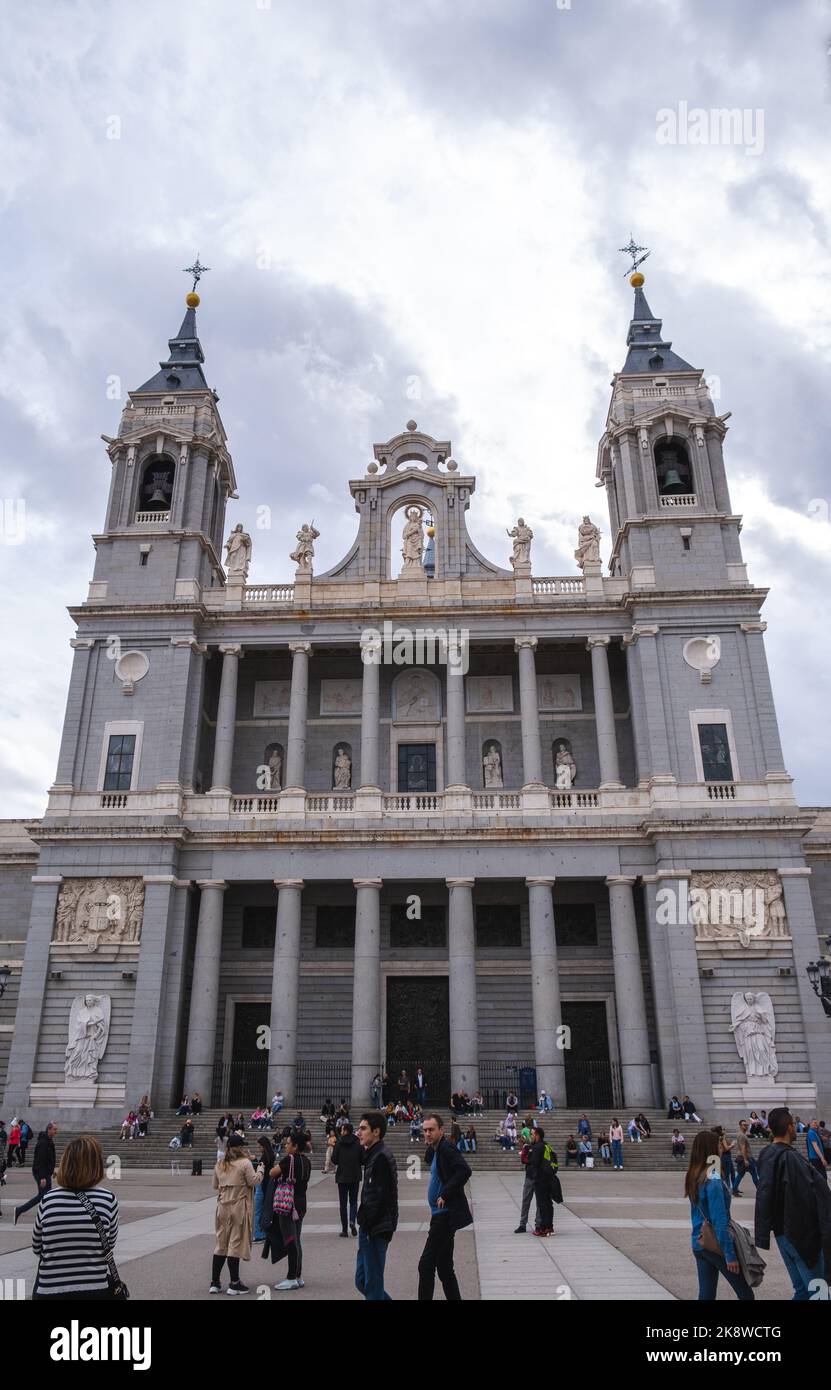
118 1289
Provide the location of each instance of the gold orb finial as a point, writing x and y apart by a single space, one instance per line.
636 280
192 299
431 530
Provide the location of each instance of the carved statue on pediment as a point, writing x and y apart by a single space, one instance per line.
412 538
522 536
737 907
99 912
588 544
89 1029
238 548
303 554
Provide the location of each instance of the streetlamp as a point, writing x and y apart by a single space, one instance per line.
5 973
819 973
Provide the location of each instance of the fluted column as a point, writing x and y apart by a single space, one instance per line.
204 993
285 983
529 712
604 713
456 769
226 717
464 1031
370 711
545 990
366 989
298 707
630 1001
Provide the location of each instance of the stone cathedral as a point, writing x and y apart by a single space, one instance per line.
528 831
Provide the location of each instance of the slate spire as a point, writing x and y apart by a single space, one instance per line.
649 351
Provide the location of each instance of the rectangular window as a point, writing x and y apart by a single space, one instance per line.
118 769
427 932
335 927
416 767
259 928
716 763
498 925
575 924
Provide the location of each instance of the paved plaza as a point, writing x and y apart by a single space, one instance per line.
616 1237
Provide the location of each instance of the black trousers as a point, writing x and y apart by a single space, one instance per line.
233 1268
437 1258
348 1193
545 1204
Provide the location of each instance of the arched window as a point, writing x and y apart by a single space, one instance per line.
565 768
273 760
156 488
342 767
492 770
673 468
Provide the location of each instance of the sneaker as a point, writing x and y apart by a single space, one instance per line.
353 1228
301 1283
521 1230
215 1288
289 1284
344 1233
237 1288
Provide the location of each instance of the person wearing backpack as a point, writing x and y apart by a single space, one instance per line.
542 1163
793 1203
527 1185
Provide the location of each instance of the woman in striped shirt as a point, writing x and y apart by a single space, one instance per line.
71 1257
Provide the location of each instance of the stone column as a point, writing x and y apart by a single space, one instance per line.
545 991
204 994
464 1032
226 717
76 704
285 983
33 979
529 712
144 1064
645 635
672 918
771 747
456 770
366 989
799 908
630 1002
295 779
604 714
370 712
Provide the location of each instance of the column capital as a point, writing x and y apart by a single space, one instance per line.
368 882
460 882
82 644
540 882
597 641
795 873
295 647
673 873
525 641
47 878
212 883
754 627
190 641
289 883
371 642
168 878
232 649
616 880
640 630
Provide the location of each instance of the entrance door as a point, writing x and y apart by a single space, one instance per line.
244 1079
591 1078
418 1031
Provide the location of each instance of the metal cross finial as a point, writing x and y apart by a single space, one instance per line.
196 270
632 250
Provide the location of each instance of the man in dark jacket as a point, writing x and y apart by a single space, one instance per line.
378 1212
449 1212
43 1168
793 1201
346 1156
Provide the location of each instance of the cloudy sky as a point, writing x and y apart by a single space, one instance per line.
410 210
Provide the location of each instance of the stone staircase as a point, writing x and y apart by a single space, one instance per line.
654 1154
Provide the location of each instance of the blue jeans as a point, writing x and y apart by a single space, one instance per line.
799 1272
740 1172
34 1201
617 1153
369 1270
259 1194
710 1266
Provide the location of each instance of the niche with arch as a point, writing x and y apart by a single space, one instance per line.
396 522
342 767
492 766
156 486
565 768
673 468
274 759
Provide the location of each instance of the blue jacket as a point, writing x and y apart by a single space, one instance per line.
714 1204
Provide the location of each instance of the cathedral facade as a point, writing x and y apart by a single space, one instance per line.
529 832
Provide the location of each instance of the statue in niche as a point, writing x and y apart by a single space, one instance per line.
238 548
522 536
754 1030
275 769
492 765
412 538
343 770
565 768
303 554
588 544
89 1027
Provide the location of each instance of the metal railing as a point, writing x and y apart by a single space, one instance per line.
498 1080
593 1084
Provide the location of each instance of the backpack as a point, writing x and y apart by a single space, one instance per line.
175 1143
549 1156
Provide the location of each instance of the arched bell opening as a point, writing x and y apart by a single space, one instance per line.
673 468
156 487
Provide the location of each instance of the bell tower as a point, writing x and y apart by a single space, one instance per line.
660 459
172 476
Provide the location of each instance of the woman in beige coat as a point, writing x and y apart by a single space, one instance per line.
234 1181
